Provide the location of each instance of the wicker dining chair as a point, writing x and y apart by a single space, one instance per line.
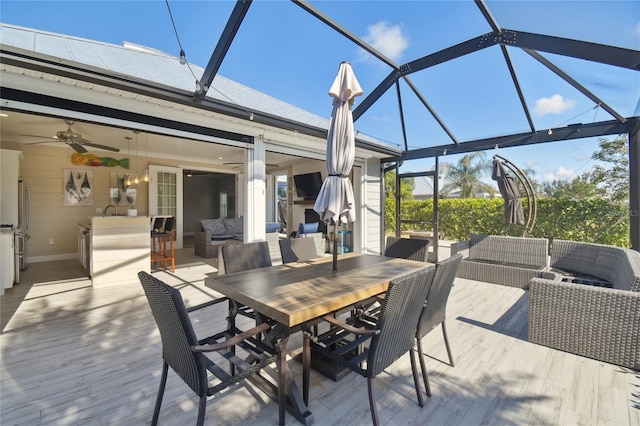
407 248
187 355
402 248
297 249
390 337
242 257
435 309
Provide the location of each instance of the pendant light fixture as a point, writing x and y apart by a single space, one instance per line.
145 176
127 182
136 179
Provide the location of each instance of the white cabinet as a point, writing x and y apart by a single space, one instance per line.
120 248
7 260
10 173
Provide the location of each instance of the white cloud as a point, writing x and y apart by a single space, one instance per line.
561 173
387 39
556 104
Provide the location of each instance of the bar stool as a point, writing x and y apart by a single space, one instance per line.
162 237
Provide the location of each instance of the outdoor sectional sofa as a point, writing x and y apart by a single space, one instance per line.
510 261
588 303
217 232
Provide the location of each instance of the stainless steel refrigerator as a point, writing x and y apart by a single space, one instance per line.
22 232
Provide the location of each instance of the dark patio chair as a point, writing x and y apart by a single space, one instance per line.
435 309
242 257
402 248
407 248
187 356
297 249
390 337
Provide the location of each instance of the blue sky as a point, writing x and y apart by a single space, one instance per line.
284 52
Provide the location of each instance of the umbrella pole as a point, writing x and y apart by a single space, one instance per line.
335 245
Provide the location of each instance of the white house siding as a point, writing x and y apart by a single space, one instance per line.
371 207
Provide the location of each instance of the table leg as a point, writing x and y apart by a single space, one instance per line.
290 394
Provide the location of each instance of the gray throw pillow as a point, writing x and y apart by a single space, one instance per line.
234 226
213 226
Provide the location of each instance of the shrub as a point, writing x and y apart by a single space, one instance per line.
595 220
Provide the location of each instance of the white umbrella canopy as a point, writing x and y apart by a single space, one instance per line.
335 200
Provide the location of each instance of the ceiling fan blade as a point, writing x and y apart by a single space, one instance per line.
95 145
77 147
39 137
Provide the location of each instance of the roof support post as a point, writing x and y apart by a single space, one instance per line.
634 183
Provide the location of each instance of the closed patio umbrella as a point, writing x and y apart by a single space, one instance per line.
513 213
335 200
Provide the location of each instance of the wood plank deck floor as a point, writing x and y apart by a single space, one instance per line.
74 355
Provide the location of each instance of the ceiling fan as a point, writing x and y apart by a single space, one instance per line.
75 140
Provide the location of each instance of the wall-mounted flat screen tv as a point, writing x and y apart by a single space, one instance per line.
308 185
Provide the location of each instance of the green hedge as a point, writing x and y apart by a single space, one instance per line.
599 221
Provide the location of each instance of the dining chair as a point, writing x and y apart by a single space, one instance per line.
435 309
389 337
188 356
407 248
297 249
242 257
402 248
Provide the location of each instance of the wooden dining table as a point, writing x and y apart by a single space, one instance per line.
295 295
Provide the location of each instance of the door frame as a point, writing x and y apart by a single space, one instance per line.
153 197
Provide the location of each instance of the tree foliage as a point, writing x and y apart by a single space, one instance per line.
580 188
466 175
614 178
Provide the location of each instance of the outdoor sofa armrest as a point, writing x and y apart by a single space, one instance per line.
594 322
460 247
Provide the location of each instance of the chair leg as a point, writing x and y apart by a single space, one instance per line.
446 343
283 385
423 367
163 382
372 402
416 381
202 409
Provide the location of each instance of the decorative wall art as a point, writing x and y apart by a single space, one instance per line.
93 160
77 187
119 193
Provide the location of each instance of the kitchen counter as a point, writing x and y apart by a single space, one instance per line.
120 248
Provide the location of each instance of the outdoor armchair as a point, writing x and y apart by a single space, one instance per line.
187 355
382 342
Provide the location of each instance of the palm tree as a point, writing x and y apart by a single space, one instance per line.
466 174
